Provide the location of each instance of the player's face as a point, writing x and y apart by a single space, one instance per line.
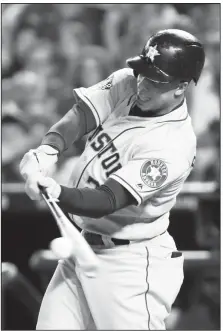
152 95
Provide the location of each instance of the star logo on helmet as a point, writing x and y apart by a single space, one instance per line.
152 52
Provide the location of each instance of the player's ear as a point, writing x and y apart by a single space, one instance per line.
181 88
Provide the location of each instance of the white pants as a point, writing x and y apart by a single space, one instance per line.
135 291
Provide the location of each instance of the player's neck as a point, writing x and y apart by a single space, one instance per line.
168 109
136 111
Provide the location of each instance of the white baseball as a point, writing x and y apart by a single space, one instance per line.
61 247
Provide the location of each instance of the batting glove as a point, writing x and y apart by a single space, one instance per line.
38 160
33 183
51 186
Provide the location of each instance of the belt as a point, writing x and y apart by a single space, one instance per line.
95 239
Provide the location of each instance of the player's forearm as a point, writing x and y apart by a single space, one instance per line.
72 127
95 203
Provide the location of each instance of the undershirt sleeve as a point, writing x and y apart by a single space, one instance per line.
95 203
73 126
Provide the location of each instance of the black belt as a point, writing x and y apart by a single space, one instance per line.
96 239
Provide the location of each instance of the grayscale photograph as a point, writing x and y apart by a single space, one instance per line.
110 166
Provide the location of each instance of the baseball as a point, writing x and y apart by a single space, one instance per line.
61 247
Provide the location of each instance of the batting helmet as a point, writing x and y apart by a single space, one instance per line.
170 55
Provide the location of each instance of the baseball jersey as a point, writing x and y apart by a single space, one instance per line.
150 156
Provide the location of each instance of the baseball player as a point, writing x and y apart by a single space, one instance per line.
140 149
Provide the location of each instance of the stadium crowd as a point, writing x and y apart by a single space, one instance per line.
49 49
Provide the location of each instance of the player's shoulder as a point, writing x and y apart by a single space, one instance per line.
167 138
121 81
124 74
124 79
165 144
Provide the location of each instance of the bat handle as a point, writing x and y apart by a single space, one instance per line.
51 202
43 191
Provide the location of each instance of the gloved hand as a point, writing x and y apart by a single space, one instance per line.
38 160
33 183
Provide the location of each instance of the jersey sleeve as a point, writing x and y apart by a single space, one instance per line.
103 97
146 174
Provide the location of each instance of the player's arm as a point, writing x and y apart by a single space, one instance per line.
122 189
96 203
117 193
73 125
70 128
92 108
38 162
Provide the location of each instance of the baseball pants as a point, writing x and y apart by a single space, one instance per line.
135 291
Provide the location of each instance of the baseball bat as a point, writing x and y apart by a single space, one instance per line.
81 251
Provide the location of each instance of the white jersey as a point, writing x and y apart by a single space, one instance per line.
151 157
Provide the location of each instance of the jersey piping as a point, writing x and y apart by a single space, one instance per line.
94 108
88 104
147 291
130 188
183 119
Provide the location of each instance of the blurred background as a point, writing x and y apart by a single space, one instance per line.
49 49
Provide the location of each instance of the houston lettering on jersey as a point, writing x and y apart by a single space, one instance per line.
108 154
